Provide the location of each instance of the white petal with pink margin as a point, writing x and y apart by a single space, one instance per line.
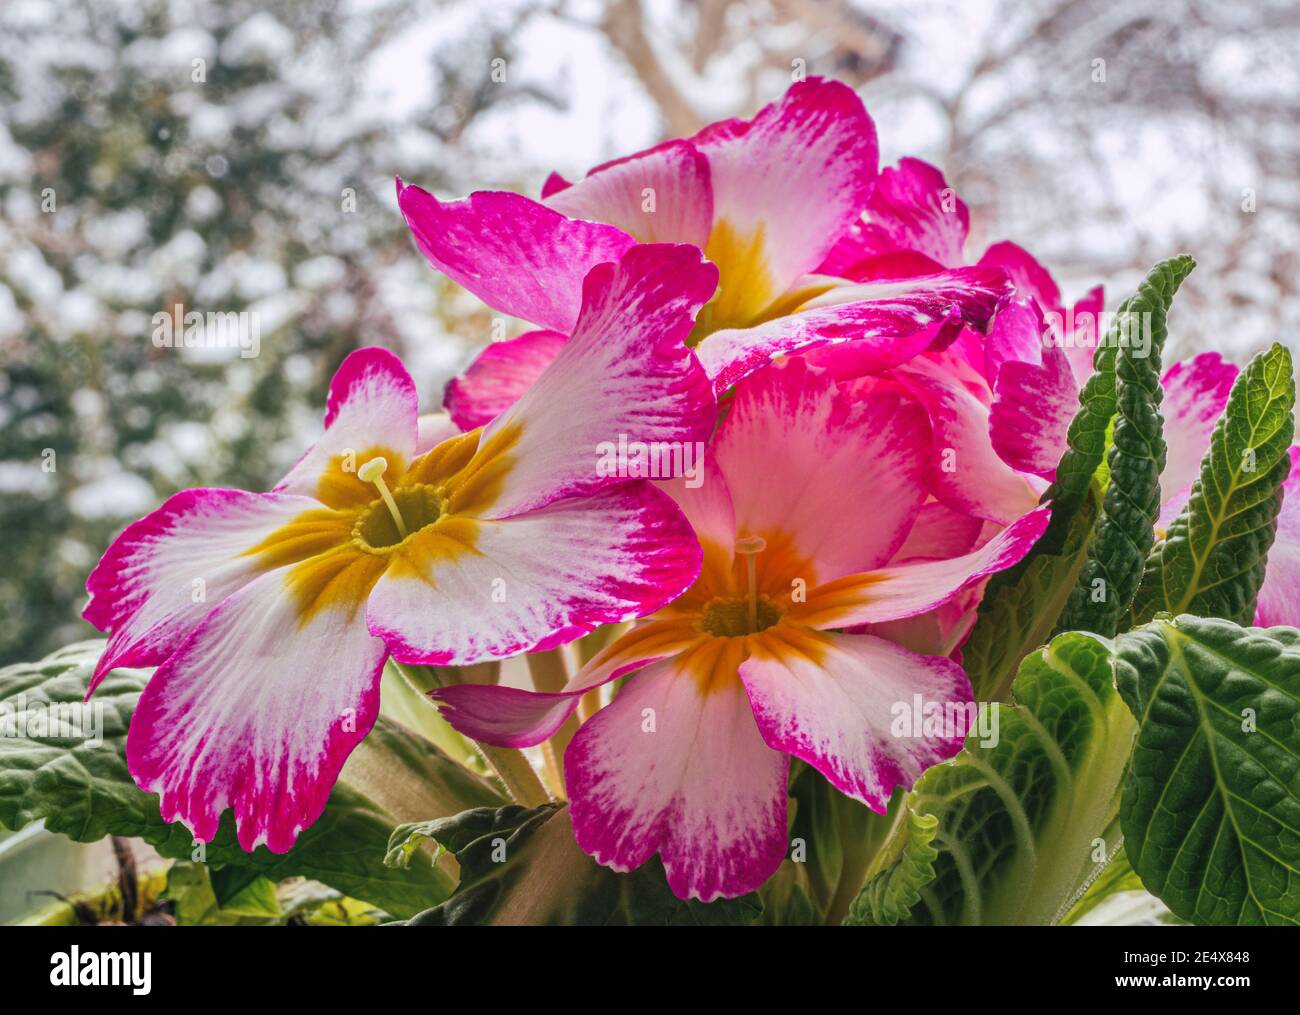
515 254
906 590
890 317
911 208
832 701
538 579
1195 395
1035 393
1279 596
838 447
625 373
797 174
512 717
964 470
168 570
258 710
662 195
372 401
499 375
673 768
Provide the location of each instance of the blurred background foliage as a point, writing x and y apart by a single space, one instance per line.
227 155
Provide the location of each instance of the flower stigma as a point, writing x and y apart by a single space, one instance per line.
373 472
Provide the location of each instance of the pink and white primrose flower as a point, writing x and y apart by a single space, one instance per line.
814 518
977 476
1001 404
270 615
766 199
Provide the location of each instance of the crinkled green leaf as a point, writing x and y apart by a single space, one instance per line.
1125 530
406 840
1019 821
1211 806
521 866
1051 589
1086 443
83 790
256 897
892 894
1021 606
1212 562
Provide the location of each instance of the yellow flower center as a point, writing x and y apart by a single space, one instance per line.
390 521
735 618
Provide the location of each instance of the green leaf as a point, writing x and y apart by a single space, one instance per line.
1125 531
1212 562
1103 470
195 893
1085 454
230 884
192 891
406 840
1050 589
1020 820
409 705
521 866
82 789
255 898
833 836
892 894
1211 806
787 898
1099 399
1021 605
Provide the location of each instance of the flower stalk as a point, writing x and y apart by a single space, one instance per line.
550 673
509 765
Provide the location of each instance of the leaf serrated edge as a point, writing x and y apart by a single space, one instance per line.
890 896
1154 594
1125 530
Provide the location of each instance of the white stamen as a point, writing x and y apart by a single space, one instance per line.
373 472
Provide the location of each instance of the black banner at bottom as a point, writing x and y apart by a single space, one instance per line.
400 964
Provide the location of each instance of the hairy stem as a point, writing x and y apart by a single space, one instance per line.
511 766
550 673
516 774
